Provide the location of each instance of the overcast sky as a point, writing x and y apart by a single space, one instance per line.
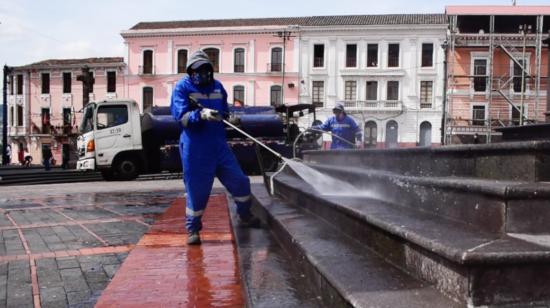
32 31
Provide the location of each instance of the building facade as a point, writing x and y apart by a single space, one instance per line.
253 58
44 100
385 68
497 70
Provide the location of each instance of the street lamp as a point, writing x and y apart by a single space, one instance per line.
444 46
524 30
285 35
7 71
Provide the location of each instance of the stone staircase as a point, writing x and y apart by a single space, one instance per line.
438 230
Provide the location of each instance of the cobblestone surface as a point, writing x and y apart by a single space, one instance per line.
60 247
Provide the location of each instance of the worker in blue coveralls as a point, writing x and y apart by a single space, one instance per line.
199 103
342 126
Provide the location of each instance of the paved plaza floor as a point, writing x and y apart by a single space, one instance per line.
62 244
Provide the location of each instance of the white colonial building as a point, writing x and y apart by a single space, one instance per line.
388 69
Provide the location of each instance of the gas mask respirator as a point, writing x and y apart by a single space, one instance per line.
202 77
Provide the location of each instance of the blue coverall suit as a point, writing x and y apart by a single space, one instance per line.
346 128
204 150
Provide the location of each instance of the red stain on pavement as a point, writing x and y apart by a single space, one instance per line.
161 271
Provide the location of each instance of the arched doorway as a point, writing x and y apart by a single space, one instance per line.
425 134
371 130
391 134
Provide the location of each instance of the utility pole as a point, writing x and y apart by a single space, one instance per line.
7 71
285 35
87 83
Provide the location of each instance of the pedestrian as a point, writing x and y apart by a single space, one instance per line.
8 154
47 156
199 102
21 154
342 126
28 159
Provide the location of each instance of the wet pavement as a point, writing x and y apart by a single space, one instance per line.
162 271
61 245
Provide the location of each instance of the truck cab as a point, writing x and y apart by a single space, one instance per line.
110 138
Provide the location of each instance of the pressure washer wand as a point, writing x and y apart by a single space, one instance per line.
253 139
196 103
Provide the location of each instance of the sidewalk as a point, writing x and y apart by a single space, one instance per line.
163 272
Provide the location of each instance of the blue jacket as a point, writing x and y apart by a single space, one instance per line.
347 129
199 132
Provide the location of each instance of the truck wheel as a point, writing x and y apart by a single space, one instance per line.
126 169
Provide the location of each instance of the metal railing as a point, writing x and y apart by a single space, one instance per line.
274 67
146 70
474 39
373 105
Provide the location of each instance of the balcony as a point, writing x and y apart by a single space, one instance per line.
274 67
146 70
373 105
483 40
64 130
15 131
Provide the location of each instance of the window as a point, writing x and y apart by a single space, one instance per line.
393 91
66 116
276 95
19 84
393 55
67 80
11 118
147 97
45 115
372 55
318 55
182 61
350 90
351 55
517 76
11 85
111 82
109 116
45 83
214 56
19 115
480 75
238 95
276 59
516 115
148 62
426 88
478 115
318 93
238 60
372 90
427 54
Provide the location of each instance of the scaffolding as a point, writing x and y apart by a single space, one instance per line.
490 68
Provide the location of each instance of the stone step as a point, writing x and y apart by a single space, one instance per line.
267 272
493 206
345 272
518 161
470 265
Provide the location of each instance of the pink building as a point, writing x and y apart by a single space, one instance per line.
497 70
44 99
252 59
